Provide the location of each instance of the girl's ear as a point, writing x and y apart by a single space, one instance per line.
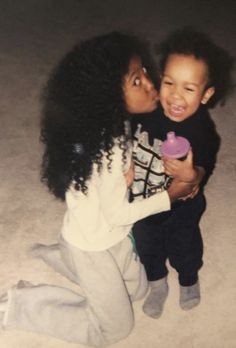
208 94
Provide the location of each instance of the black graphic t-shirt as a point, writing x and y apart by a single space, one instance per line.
150 130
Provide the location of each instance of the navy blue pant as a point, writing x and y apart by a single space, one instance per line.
173 235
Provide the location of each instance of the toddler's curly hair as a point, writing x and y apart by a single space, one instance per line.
191 41
84 109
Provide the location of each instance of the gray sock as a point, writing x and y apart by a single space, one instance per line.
189 296
154 303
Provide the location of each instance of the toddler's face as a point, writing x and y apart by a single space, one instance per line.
183 86
139 92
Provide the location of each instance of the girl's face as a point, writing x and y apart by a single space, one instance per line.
139 92
183 86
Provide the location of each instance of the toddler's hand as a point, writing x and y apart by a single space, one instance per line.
129 176
181 170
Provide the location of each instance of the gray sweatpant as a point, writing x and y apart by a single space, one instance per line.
110 281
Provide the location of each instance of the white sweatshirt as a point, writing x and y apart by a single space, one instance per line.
104 217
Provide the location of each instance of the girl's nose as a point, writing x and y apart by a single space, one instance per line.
148 83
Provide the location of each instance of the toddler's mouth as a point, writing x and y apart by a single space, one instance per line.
176 109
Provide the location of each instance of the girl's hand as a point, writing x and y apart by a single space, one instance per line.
179 190
129 176
192 194
181 170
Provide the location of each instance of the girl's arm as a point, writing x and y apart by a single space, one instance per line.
113 196
129 175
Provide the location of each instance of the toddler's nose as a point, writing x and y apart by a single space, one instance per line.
176 93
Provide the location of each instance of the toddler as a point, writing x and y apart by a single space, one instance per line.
195 73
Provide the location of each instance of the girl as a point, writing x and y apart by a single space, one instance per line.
85 129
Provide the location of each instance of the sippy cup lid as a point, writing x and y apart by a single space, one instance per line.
174 146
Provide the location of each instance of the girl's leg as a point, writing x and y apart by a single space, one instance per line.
127 260
102 316
51 255
131 268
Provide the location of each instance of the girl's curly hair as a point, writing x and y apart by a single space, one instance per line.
191 41
84 109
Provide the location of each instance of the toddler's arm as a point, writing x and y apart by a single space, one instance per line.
185 171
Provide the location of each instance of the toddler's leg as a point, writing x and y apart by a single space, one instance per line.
189 296
154 303
151 241
186 250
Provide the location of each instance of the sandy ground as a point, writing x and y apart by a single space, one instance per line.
33 36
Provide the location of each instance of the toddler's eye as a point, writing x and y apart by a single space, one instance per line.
137 81
189 89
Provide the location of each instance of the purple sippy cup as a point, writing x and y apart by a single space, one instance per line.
175 147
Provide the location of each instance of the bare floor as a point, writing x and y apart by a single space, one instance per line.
33 36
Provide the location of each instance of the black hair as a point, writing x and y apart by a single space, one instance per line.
84 109
190 41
